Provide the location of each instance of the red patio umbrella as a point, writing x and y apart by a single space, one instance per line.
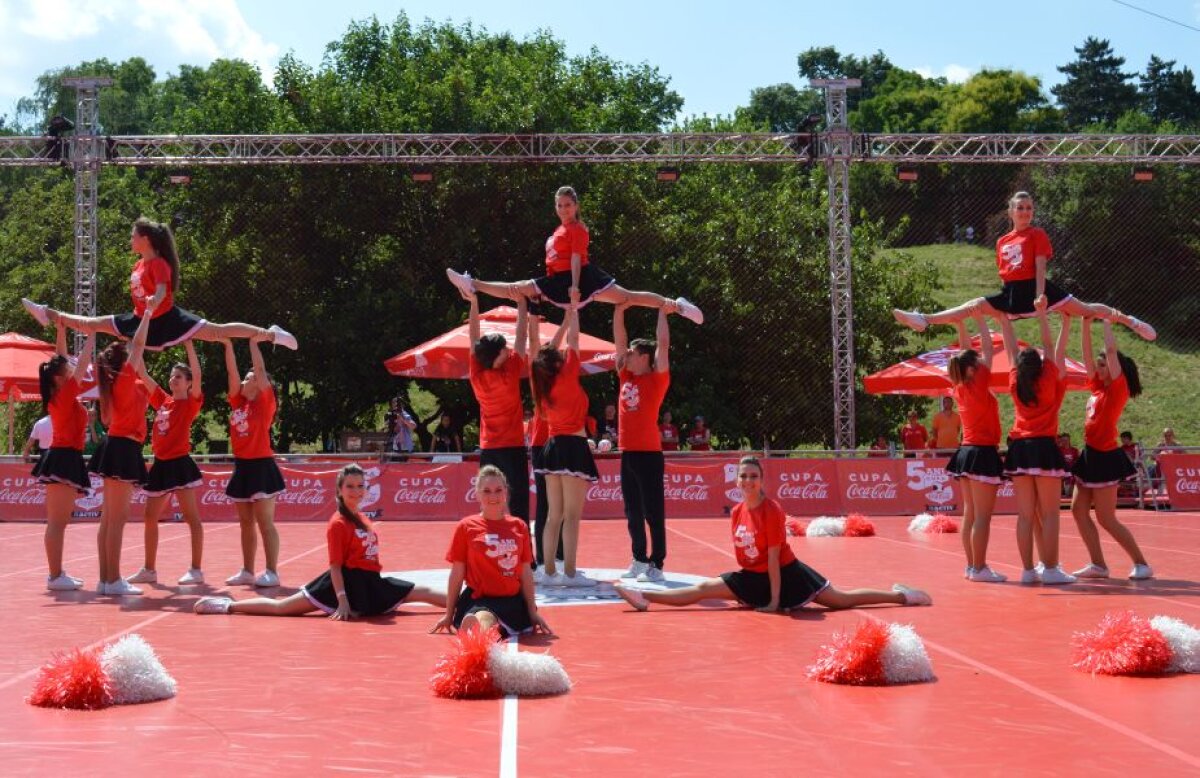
925 374
19 360
446 356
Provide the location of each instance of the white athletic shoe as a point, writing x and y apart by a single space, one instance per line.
1055 576
558 579
120 588
193 576
579 579
267 578
462 281
632 596
967 572
241 578
143 576
689 310
911 319
1141 572
652 575
1030 577
63 583
539 577
986 574
912 596
636 568
37 311
1092 571
283 337
1141 328
212 605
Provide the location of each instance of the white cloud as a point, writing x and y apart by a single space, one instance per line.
955 74
66 20
207 30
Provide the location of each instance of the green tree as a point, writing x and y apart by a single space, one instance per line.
780 108
1096 90
995 101
1169 95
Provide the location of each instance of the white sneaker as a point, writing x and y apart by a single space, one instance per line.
986 574
143 576
1141 572
1040 567
557 579
636 568
120 588
632 596
212 605
911 319
1141 328
689 310
462 281
967 572
267 578
193 576
37 311
1055 576
1030 577
242 578
579 579
63 583
652 575
1092 571
283 337
912 596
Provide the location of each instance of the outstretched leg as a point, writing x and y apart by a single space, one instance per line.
1076 307
619 295
295 605
710 589
920 321
836 599
425 594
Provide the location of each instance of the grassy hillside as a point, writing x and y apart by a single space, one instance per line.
1169 371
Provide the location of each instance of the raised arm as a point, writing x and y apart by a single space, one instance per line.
260 367
662 334
987 350
84 362
1060 347
1110 351
473 329
620 338
522 325
1040 284
232 375
138 344
194 363
572 322
1089 358
1010 339
964 338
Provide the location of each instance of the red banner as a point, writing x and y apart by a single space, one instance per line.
1181 472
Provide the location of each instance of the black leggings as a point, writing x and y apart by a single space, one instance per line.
645 503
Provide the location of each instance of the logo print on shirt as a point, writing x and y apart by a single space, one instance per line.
240 419
743 538
1092 402
1013 255
370 543
631 396
163 420
135 285
503 550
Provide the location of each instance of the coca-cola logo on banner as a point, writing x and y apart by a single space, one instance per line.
607 488
870 486
688 487
1184 485
802 485
21 490
420 490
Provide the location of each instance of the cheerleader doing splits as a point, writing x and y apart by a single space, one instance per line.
567 267
1021 257
152 285
771 578
61 467
353 586
1113 379
490 552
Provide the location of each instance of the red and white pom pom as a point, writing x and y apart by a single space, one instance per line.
124 672
853 526
877 654
930 524
478 666
796 528
1125 643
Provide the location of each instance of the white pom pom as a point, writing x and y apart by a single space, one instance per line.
604 446
527 672
920 522
1184 640
135 672
826 526
904 658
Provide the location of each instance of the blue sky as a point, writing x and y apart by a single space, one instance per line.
713 52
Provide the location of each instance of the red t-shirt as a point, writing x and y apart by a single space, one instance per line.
567 406
979 410
171 437
637 407
757 529
127 408
144 281
915 436
669 435
1017 252
1103 412
68 417
495 553
698 439
250 425
350 546
1070 454
1041 420
568 239
498 391
539 430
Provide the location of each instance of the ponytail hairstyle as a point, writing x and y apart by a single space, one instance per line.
488 347
546 366
163 242
1029 369
569 191
1018 197
47 372
346 513
108 366
1129 369
752 461
647 346
184 368
491 471
960 363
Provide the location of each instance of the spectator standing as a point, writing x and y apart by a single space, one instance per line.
93 433
700 436
880 447
39 438
446 437
607 426
400 426
913 435
668 432
1167 444
946 426
1070 454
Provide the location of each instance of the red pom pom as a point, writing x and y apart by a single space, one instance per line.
795 527
463 673
1123 644
853 659
857 526
942 524
74 679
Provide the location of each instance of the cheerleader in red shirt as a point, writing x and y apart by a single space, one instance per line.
976 463
256 479
490 552
567 267
1113 378
1021 258
539 435
771 578
152 285
61 467
567 460
353 586
1034 462
118 460
173 471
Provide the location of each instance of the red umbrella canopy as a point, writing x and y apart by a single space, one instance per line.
446 356
926 373
20 357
